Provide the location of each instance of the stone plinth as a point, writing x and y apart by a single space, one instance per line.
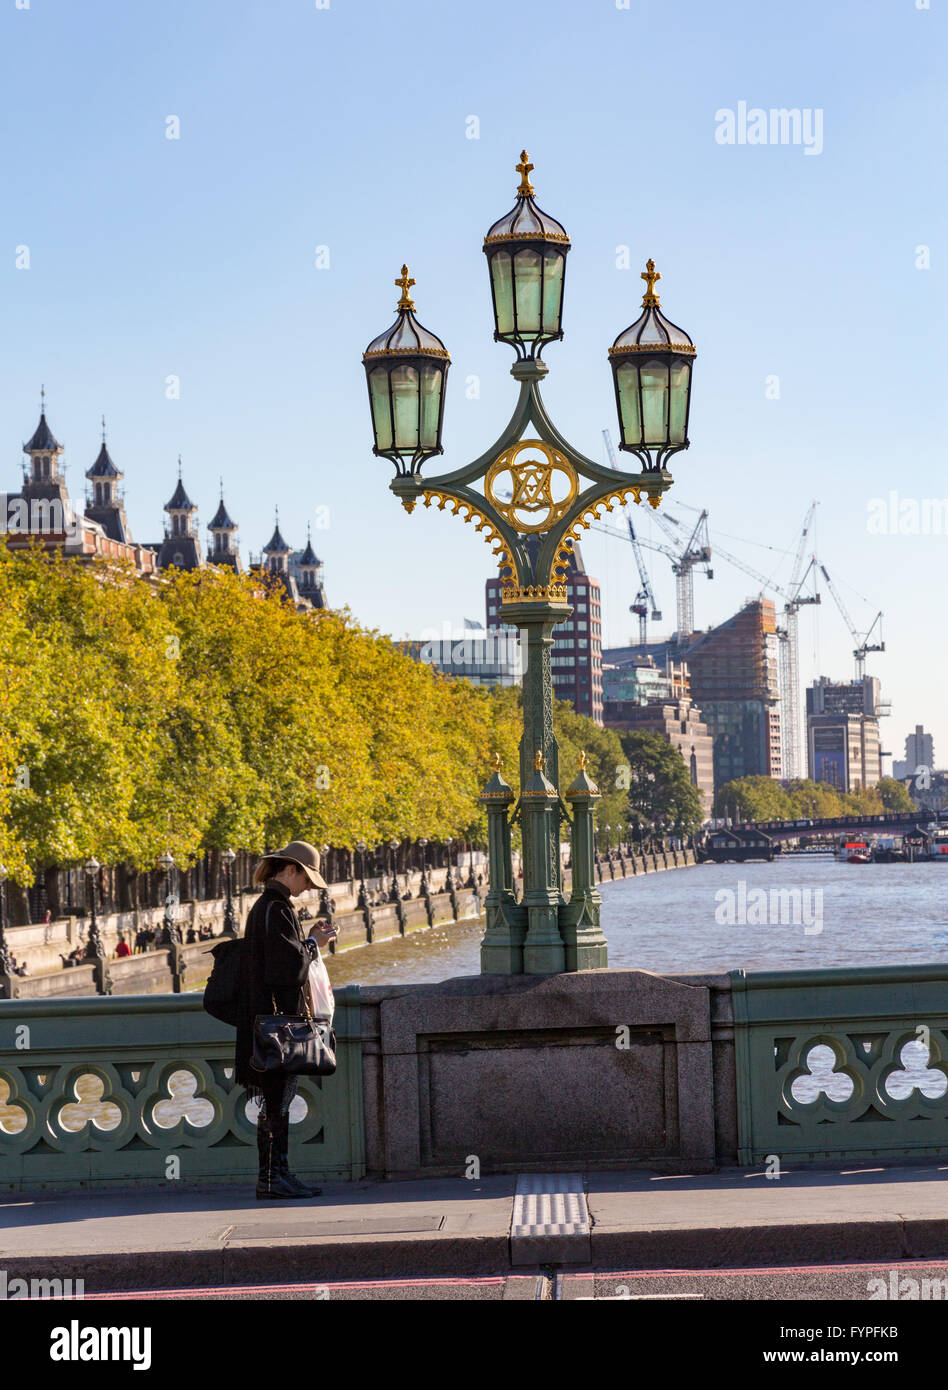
599 1069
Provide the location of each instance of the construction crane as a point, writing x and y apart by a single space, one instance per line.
788 665
862 640
644 599
788 660
697 551
788 650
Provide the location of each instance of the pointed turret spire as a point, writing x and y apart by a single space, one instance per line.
43 440
180 501
221 521
103 466
223 529
276 545
309 558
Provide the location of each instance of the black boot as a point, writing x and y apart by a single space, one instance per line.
271 1182
283 1147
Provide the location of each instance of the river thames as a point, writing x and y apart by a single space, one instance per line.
814 912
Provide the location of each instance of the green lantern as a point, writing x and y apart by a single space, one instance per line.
526 254
405 368
651 366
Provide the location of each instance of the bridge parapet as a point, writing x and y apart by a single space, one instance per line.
139 1091
594 1069
842 1063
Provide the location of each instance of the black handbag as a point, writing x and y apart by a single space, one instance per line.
295 1045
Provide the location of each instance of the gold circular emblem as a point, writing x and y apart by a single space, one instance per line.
534 493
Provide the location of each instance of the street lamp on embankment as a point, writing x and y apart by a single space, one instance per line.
230 917
532 495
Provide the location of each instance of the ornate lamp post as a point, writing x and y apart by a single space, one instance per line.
449 877
95 948
423 886
171 927
363 899
325 903
6 962
393 864
531 494
230 917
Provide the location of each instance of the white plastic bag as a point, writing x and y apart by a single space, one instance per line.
324 1005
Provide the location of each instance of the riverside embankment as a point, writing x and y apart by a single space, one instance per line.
428 920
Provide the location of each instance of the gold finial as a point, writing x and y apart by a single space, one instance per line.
523 169
650 299
538 760
103 429
495 761
42 400
583 760
405 284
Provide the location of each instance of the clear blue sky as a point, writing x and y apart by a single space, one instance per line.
346 128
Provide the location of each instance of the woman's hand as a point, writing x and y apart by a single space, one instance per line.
322 933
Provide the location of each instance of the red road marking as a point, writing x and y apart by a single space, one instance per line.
769 1269
300 1287
486 1280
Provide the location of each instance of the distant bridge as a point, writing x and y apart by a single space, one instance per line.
891 823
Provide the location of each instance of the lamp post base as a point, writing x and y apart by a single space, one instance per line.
543 951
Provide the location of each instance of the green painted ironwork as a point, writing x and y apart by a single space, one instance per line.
55 1132
580 918
887 1030
533 598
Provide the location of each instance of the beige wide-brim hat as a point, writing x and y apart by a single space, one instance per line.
307 856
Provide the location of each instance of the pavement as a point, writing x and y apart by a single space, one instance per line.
629 1222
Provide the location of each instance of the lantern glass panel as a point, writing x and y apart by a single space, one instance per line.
680 373
528 279
432 384
654 376
502 277
554 264
627 378
405 405
381 411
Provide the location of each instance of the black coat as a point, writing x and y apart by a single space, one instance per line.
277 969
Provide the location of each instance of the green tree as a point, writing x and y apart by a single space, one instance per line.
660 787
813 800
894 794
754 798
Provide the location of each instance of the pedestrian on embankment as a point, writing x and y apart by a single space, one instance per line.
277 981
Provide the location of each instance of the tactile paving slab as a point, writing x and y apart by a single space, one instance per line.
550 1223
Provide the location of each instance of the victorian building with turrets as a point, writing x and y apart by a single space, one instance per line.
42 511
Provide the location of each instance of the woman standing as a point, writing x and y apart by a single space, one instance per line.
277 981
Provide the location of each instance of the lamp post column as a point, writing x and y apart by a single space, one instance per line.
506 919
230 917
586 947
8 989
95 947
543 951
